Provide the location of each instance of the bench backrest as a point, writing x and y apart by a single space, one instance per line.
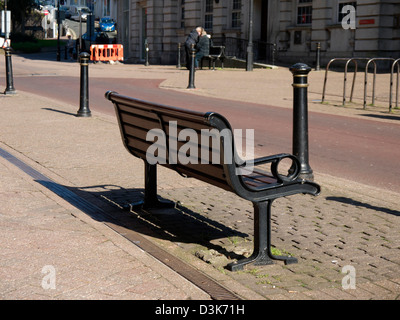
176 134
138 118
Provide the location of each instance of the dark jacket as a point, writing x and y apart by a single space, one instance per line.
192 38
203 46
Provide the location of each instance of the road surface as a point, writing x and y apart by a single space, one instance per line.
361 150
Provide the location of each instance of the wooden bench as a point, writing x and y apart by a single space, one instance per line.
216 53
260 186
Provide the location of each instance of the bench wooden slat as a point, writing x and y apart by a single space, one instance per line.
125 102
181 123
141 134
207 176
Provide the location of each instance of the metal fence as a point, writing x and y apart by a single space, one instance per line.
369 61
263 52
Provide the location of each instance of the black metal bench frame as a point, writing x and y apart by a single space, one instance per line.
216 53
136 117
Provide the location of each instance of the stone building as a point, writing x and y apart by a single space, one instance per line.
371 29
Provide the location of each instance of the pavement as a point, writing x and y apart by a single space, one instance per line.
64 233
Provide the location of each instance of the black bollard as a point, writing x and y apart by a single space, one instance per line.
300 119
147 55
192 69
84 110
318 56
179 56
9 73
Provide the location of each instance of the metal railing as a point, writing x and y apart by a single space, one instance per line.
348 60
263 52
374 81
369 61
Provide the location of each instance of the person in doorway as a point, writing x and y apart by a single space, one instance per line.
193 38
203 48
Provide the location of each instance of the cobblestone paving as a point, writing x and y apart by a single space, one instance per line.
330 234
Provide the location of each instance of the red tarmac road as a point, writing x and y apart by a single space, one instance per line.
361 150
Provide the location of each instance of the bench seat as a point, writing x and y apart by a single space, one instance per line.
216 53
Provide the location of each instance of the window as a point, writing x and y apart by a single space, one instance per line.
297 37
304 11
236 14
396 21
208 17
341 5
106 8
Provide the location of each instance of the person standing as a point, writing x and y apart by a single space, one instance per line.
193 38
70 47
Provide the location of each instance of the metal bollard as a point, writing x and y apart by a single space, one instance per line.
9 73
300 118
192 68
318 56
84 110
147 54
179 56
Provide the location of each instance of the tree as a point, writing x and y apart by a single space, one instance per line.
19 11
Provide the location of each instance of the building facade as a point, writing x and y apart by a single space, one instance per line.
295 27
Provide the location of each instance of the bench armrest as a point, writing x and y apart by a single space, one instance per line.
275 160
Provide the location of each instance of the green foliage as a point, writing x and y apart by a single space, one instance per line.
26 47
29 44
18 37
19 11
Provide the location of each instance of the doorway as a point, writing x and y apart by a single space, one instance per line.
261 31
125 27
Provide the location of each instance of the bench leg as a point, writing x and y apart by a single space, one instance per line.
151 200
262 254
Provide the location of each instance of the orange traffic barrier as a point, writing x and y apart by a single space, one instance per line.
107 52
